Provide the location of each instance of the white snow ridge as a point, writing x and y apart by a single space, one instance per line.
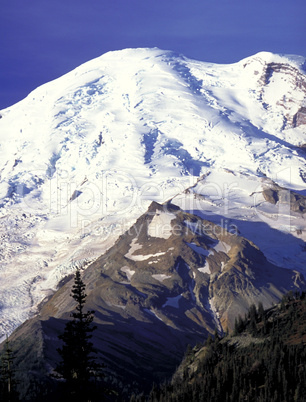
82 157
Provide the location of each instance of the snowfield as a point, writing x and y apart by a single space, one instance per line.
82 157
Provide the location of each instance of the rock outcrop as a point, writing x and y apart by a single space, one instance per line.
274 193
169 281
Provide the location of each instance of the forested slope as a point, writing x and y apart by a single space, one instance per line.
263 360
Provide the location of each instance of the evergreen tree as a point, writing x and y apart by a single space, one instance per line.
7 373
239 325
271 370
78 365
261 311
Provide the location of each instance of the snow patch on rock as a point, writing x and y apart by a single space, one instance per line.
161 277
160 226
129 272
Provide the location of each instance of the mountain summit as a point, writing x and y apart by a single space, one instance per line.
84 156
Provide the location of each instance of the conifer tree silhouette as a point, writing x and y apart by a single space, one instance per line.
8 382
78 362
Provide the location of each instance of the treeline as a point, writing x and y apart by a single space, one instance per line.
271 367
280 321
264 359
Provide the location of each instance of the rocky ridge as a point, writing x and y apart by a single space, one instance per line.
169 281
178 186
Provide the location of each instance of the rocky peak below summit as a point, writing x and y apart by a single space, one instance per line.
82 157
168 281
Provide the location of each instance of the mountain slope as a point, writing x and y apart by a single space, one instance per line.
167 282
84 156
261 362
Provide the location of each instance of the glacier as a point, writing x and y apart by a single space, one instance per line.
83 156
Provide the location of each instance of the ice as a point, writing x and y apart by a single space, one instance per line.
234 200
82 157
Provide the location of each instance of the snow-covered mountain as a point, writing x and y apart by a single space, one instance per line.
82 157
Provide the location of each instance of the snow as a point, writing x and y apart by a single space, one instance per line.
172 301
211 307
198 249
234 201
222 247
129 272
205 269
115 305
161 277
139 257
160 226
152 312
82 157
134 247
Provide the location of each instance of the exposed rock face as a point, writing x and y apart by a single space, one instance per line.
300 117
274 193
168 281
288 100
297 83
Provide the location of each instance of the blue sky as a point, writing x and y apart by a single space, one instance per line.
41 40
